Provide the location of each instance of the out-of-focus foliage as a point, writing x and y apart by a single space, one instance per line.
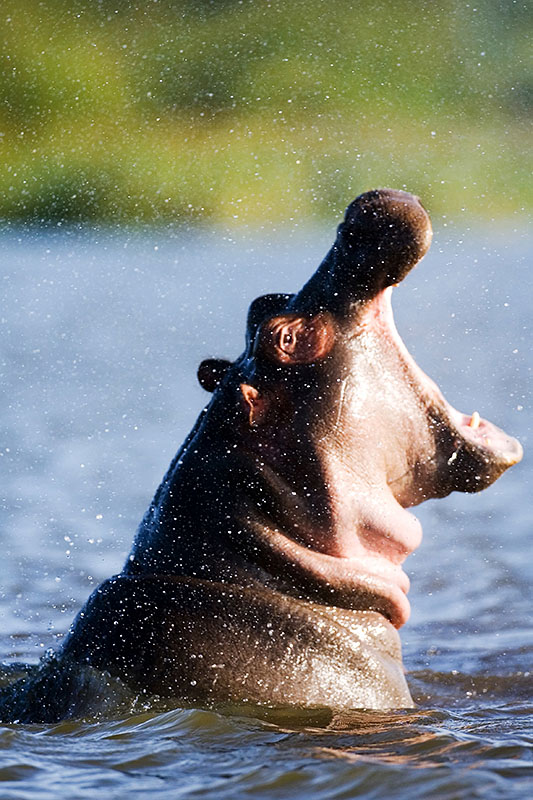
258 110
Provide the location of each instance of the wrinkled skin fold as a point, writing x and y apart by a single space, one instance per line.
268 567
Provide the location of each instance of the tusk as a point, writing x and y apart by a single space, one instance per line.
474 420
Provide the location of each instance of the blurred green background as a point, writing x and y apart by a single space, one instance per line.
254 112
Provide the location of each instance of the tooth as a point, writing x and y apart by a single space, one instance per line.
474 420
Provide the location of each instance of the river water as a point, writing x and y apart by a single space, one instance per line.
101 334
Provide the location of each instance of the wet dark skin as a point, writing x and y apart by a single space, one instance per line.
268 568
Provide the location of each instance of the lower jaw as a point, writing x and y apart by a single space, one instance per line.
364 583
356 589
368 593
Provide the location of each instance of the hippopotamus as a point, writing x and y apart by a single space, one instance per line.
268 567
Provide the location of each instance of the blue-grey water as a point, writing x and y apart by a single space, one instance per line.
100 337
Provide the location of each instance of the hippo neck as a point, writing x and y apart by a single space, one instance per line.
297 522
330 535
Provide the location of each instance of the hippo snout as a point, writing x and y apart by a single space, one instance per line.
384 233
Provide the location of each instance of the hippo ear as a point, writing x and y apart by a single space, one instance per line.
256 404
294 339
211 371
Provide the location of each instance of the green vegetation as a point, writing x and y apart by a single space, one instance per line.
260 111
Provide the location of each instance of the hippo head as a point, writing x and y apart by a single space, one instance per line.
338 429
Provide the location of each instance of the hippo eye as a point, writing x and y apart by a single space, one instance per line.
297 340
288 340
